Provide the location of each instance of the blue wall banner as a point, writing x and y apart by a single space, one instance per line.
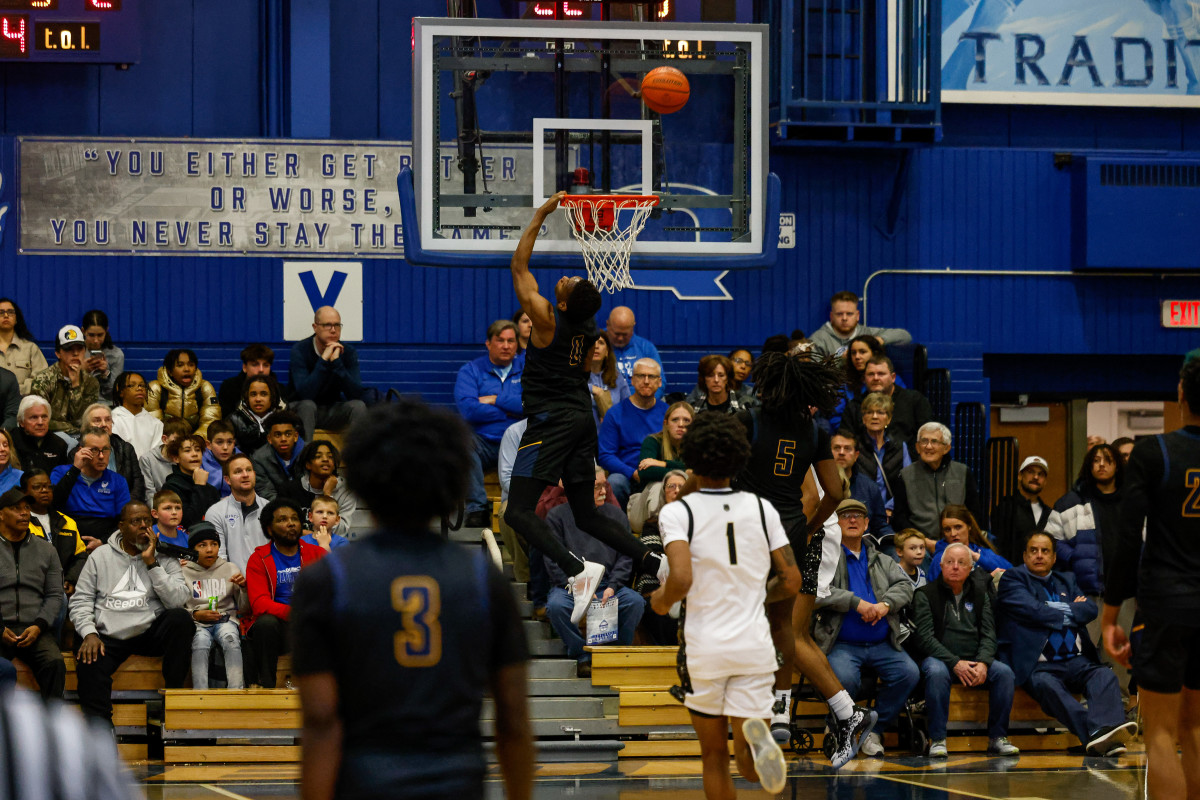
1072 52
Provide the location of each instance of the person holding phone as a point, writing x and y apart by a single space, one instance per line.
103 360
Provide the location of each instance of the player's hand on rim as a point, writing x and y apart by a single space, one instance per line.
550 205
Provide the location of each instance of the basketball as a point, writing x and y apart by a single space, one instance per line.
665 90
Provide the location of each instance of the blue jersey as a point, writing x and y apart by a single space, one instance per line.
412 627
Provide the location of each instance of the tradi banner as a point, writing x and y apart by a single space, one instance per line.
1072 52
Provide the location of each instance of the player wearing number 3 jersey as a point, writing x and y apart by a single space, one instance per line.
722 545
1162 490
560 440
398 637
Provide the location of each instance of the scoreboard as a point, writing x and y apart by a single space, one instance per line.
81 31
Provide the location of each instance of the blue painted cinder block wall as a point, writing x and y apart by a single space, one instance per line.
989 199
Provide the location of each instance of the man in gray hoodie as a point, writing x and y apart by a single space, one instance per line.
31 595
129 601
832 338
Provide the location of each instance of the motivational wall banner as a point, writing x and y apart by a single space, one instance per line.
220 197
1072 52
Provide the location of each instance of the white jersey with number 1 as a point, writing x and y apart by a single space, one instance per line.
726 630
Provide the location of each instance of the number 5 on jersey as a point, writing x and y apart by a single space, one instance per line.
418 643
785 457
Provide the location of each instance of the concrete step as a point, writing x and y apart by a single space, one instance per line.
568 687
556 708
535 629
524 608
548 647
551 668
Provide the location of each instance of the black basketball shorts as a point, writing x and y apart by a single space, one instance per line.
558 445
1168 657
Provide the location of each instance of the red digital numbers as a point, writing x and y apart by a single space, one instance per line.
22 5
104 5
562 9
14 39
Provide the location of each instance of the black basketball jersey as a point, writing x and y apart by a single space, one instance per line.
412 627
556 376
780 457
1162 488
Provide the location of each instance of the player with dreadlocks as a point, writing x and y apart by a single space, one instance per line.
784 444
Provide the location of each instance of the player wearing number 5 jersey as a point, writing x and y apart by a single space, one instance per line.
560 441
722 545
1162 490
785 443
398 637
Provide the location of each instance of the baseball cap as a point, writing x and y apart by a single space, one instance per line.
200 532
850 504
14 496
69 335
1034 461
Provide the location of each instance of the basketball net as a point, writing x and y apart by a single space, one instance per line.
606 226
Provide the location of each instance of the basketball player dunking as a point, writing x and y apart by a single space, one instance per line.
1162 489
560 441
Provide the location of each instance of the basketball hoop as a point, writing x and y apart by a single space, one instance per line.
606 226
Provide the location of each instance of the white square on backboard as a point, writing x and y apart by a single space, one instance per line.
542 124
308 285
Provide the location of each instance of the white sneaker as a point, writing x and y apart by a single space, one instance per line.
583 587
937 749
872 745
768 758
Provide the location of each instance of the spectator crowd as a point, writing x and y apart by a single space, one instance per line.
170 517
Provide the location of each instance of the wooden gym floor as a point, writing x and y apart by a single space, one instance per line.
963 776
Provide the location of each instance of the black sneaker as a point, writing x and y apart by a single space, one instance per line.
478 519
1107 740
850 734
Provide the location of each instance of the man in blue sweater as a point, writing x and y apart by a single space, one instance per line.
87 490
627 424
488 395
324 377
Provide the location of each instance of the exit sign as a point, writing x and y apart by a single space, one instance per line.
1181 313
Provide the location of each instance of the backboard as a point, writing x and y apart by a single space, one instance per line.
507 111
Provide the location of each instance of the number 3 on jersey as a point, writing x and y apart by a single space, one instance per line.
418 643
785 457
1191 506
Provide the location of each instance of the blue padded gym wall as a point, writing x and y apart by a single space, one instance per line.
989 198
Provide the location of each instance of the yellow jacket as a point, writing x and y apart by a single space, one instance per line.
197 405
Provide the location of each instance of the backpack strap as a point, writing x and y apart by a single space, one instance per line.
762 515
691 520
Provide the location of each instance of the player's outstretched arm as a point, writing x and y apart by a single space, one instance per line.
786 580
514 737
539 309
679 557
322 736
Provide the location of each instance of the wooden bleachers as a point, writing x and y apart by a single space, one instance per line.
642 676
211 726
